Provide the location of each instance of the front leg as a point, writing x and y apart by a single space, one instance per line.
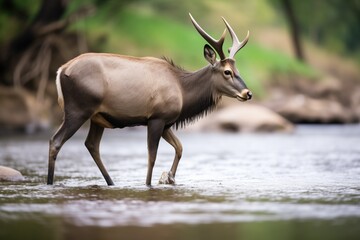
155 130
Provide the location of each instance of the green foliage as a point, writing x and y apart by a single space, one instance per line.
14 16
143 33
162 28
333 24
259 65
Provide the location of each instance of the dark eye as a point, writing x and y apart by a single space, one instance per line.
227 72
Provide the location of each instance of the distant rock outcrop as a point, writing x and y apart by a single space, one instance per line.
304 109
328 100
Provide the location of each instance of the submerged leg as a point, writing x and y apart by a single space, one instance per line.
92 144
169 136
155 130
66 131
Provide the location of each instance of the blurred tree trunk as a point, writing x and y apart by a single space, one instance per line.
294 28
49 13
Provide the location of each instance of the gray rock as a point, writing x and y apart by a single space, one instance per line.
9 174
244 118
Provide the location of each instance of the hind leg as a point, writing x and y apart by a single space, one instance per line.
169 177
66 131
79 97
92 144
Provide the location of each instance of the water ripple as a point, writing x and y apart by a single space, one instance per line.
311 174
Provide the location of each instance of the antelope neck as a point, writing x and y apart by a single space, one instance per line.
199 96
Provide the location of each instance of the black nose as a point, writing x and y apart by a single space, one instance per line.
249 95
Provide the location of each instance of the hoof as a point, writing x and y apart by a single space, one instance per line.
167 178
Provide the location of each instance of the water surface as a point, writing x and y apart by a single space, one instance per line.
304 185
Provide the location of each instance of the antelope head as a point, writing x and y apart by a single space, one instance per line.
226 77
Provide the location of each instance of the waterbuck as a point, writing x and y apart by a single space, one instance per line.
116 91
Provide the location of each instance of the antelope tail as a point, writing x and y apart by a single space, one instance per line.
59 90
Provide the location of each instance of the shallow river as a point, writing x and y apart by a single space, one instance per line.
304 185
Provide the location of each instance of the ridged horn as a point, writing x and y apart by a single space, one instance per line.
216 44
236 45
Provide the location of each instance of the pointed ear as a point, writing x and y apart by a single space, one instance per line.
209 54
